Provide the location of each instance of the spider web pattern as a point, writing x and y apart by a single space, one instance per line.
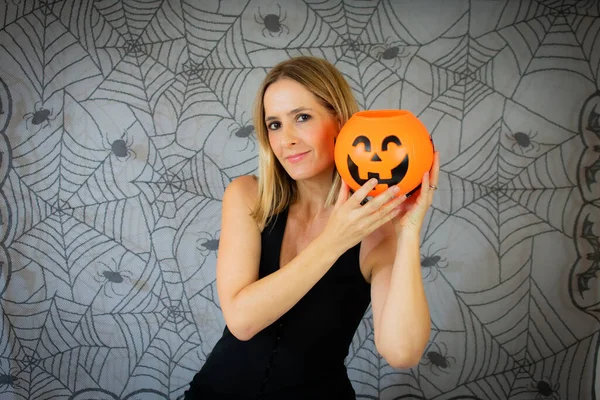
122 122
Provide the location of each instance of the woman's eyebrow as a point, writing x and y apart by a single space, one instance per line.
294 111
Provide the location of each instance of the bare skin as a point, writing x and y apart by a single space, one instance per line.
387 227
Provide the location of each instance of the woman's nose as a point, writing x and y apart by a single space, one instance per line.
289 137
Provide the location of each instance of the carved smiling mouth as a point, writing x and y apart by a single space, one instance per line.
398 173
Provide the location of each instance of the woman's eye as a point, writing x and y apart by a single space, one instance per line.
273 126
303 117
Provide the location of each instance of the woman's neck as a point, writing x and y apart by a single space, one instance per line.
312 195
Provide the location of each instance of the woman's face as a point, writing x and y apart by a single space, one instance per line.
301 130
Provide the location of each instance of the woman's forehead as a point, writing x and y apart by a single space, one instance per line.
286 95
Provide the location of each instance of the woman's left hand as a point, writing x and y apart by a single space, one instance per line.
413 209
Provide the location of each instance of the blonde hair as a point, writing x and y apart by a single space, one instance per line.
276 189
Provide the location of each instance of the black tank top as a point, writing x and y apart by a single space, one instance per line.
301 355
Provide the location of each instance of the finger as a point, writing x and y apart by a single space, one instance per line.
363 191
386 212
435 169
381 199
389 211
425 189
425 198
397 204
343 194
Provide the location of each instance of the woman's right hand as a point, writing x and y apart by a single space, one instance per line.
351 221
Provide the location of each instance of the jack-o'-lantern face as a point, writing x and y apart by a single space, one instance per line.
386 160
390 145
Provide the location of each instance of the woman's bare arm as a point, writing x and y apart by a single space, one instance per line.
400 310
249 304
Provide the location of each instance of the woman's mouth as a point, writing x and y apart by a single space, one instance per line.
294 158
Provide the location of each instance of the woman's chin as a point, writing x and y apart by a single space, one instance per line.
303 175
299 173
298 176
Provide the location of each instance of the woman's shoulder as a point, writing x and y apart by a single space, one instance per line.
239 201
243 188
244 180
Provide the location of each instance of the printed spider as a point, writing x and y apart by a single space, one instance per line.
391 51
272 22
207 242
545 390
122 149
433 262
524 141
245 131
9 379
39 117
435 359
112 277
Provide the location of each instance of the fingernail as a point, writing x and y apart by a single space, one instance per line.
395 189
373 181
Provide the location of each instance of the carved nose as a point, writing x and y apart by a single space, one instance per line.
375 158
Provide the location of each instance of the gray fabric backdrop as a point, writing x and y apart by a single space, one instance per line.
123 121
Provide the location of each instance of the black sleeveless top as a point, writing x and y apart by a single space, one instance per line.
301 355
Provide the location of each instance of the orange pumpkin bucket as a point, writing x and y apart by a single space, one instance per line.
391 145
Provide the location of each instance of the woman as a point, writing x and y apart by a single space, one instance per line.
300 257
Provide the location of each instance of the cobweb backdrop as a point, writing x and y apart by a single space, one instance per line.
122 122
